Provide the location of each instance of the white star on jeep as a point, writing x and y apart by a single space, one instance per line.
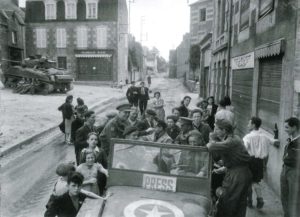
154 212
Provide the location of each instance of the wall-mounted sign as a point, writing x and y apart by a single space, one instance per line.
243 62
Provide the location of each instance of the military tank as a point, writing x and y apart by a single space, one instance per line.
37 76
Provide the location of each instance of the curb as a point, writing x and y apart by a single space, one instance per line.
40 134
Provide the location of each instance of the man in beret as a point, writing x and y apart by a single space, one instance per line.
233 192
83 132
173 130
115 127
132 94
143 93
146 126
199 125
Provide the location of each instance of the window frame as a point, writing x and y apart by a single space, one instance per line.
70 12
82 42
61 38
58 62
201 14
40 41
14 37
99 40
267 9
246 24
88 12
50 12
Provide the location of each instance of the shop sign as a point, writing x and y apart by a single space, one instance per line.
243 62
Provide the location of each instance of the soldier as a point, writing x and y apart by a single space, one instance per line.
133 117
186 127
115 127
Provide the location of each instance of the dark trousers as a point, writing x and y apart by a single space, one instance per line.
235 187
290 191
101 181
143 105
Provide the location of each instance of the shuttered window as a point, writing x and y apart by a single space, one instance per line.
244 14
82 37
71 11
101 37
41 38
50 10
269 91
61 38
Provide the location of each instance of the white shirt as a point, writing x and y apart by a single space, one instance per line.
225 114
257 144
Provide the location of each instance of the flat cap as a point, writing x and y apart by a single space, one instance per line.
185 120
173 117
150 112
124 107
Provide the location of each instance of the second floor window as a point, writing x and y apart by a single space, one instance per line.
71 10
14 37
244 14
92 10
61 38
82 37
50 10
101 37
41 38
202 14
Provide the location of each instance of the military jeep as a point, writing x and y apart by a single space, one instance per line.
149 179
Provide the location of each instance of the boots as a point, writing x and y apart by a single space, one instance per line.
260 203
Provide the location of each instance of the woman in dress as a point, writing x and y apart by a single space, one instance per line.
158 106
90 170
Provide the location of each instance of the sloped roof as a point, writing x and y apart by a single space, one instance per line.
7 5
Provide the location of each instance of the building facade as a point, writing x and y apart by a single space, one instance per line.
201 19
87 37
183 67
12 34
172 63
219 73
261 40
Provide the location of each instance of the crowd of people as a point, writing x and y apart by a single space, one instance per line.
238 164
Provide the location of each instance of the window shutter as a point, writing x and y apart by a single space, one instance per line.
101 37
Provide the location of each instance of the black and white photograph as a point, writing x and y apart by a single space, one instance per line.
150 108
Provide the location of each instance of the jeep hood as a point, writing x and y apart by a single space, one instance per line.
137 202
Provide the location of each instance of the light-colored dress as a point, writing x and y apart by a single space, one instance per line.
88 173
158 106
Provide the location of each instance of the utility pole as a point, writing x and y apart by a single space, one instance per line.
129 3
143 20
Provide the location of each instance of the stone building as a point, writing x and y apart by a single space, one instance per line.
88 37
183 67
12 33
201 19
219 74
172 63
265 69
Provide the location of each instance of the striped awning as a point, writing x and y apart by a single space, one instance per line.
93 55
270 49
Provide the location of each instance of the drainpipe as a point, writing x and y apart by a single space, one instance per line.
229 47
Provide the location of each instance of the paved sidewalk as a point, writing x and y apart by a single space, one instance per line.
272 207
